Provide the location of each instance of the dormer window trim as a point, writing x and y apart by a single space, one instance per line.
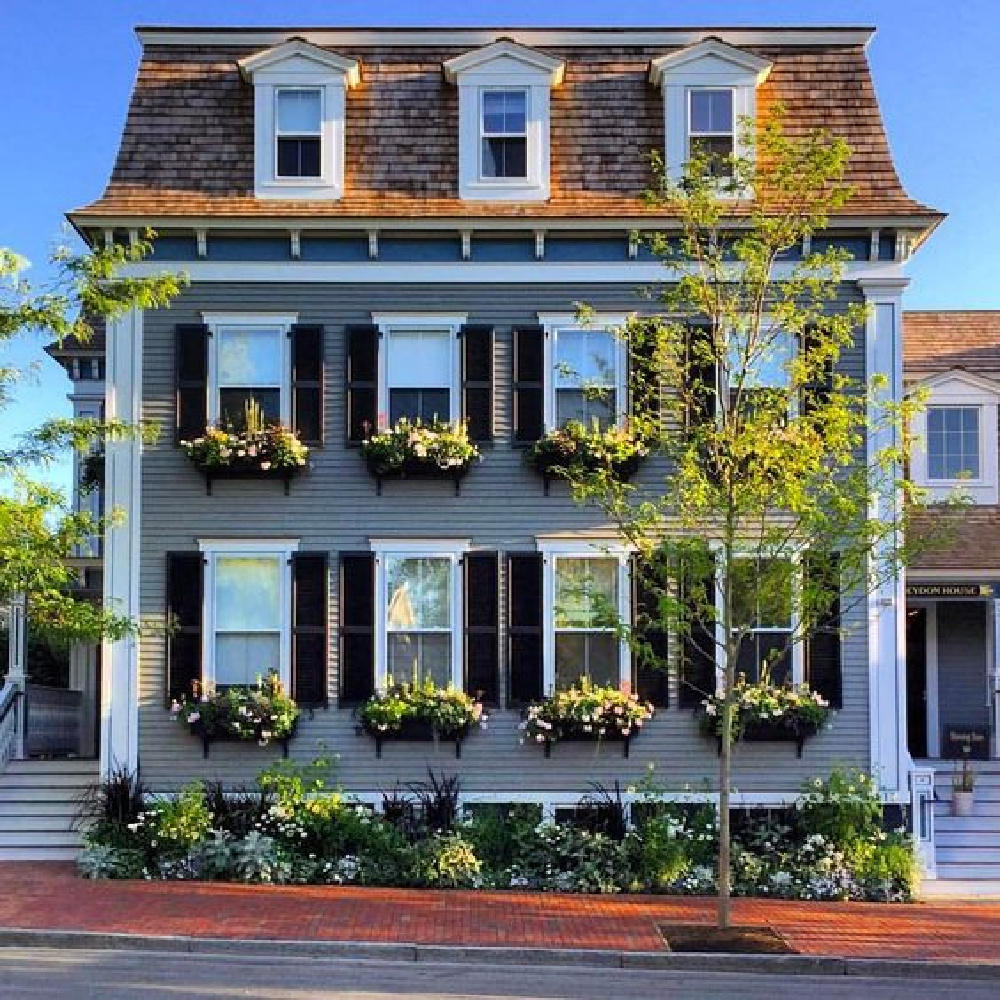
504 66
709 65
300 66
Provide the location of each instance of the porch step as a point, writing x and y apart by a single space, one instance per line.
947 872
39 803
961 888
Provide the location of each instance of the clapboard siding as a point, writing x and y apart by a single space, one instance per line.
333 507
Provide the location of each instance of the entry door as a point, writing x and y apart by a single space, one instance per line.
916 681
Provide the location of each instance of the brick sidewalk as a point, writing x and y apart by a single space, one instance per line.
50 897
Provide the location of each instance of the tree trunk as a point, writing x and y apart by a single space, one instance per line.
725 783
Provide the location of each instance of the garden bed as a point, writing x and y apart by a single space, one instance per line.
705 939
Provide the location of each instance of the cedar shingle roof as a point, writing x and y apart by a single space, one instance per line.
187 148
938 340
966 539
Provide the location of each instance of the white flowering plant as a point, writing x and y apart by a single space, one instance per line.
585 711
413 446
793 709
576 450
268 449
447 710
261 712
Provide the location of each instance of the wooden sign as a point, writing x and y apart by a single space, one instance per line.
950 591
966 741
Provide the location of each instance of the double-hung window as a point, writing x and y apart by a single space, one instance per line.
953 443
764 613
588 372
504 134
247 632
421 364
249 369
418 612
585 597
298 132
710 129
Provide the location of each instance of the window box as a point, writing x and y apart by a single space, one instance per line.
767 713
574 451
420 713
273 452
413 450
262 714
586 713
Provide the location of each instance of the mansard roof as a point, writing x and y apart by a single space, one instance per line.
187 148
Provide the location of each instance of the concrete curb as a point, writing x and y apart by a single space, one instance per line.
788 965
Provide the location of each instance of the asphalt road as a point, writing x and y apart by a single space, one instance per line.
27 974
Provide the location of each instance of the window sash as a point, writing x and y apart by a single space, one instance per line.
503 132
953 443
296 133
709 131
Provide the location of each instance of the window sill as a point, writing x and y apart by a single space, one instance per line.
516 191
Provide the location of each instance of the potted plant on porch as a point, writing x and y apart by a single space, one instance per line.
963 786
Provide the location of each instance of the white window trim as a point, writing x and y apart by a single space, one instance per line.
430 548
710 64
690 133
281 321
959 388
504 65
553 323
957 481
211 549
452 323
553 549
797 651
299 65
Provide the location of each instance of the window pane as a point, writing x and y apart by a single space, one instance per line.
764 363
419 359
299 112
504 112
249 356
233 406
418 593
425 405
586 592
717 151
505 157
762 593
765 649
247 593
712 111
593 655
298 157
585 357
415 657
570 658
584 406
241 658
953 442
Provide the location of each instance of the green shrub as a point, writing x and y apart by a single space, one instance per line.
98 860
448 861
495 830
845 808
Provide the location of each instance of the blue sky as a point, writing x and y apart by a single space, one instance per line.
74 63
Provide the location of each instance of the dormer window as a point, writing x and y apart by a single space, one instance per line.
503 121
505 134
298 132
707 89
300 106
710 128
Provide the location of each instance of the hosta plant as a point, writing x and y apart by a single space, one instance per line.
262 712
447 710
575 450
588 711
414 446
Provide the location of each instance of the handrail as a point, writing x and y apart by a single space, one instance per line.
10 722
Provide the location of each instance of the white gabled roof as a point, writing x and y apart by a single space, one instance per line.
709 48
959 375
297 49
504 48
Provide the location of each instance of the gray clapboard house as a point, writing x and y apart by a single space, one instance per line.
397 222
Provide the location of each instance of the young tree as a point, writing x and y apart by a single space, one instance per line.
38 528
765 517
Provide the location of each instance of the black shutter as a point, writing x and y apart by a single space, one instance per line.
482 625
698 649
529 383
185 596
362 382
650 636
524 610
357 627
310 573
477 381
702 377
816 392
822 652
190 380
644 376
307 382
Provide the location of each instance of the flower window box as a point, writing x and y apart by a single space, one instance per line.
575 451
420 713
413 450
586 713
261 713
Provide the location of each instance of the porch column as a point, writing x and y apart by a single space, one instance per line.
17 662
120 677
890 759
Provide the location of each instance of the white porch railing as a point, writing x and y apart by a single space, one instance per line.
11 724
922 813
